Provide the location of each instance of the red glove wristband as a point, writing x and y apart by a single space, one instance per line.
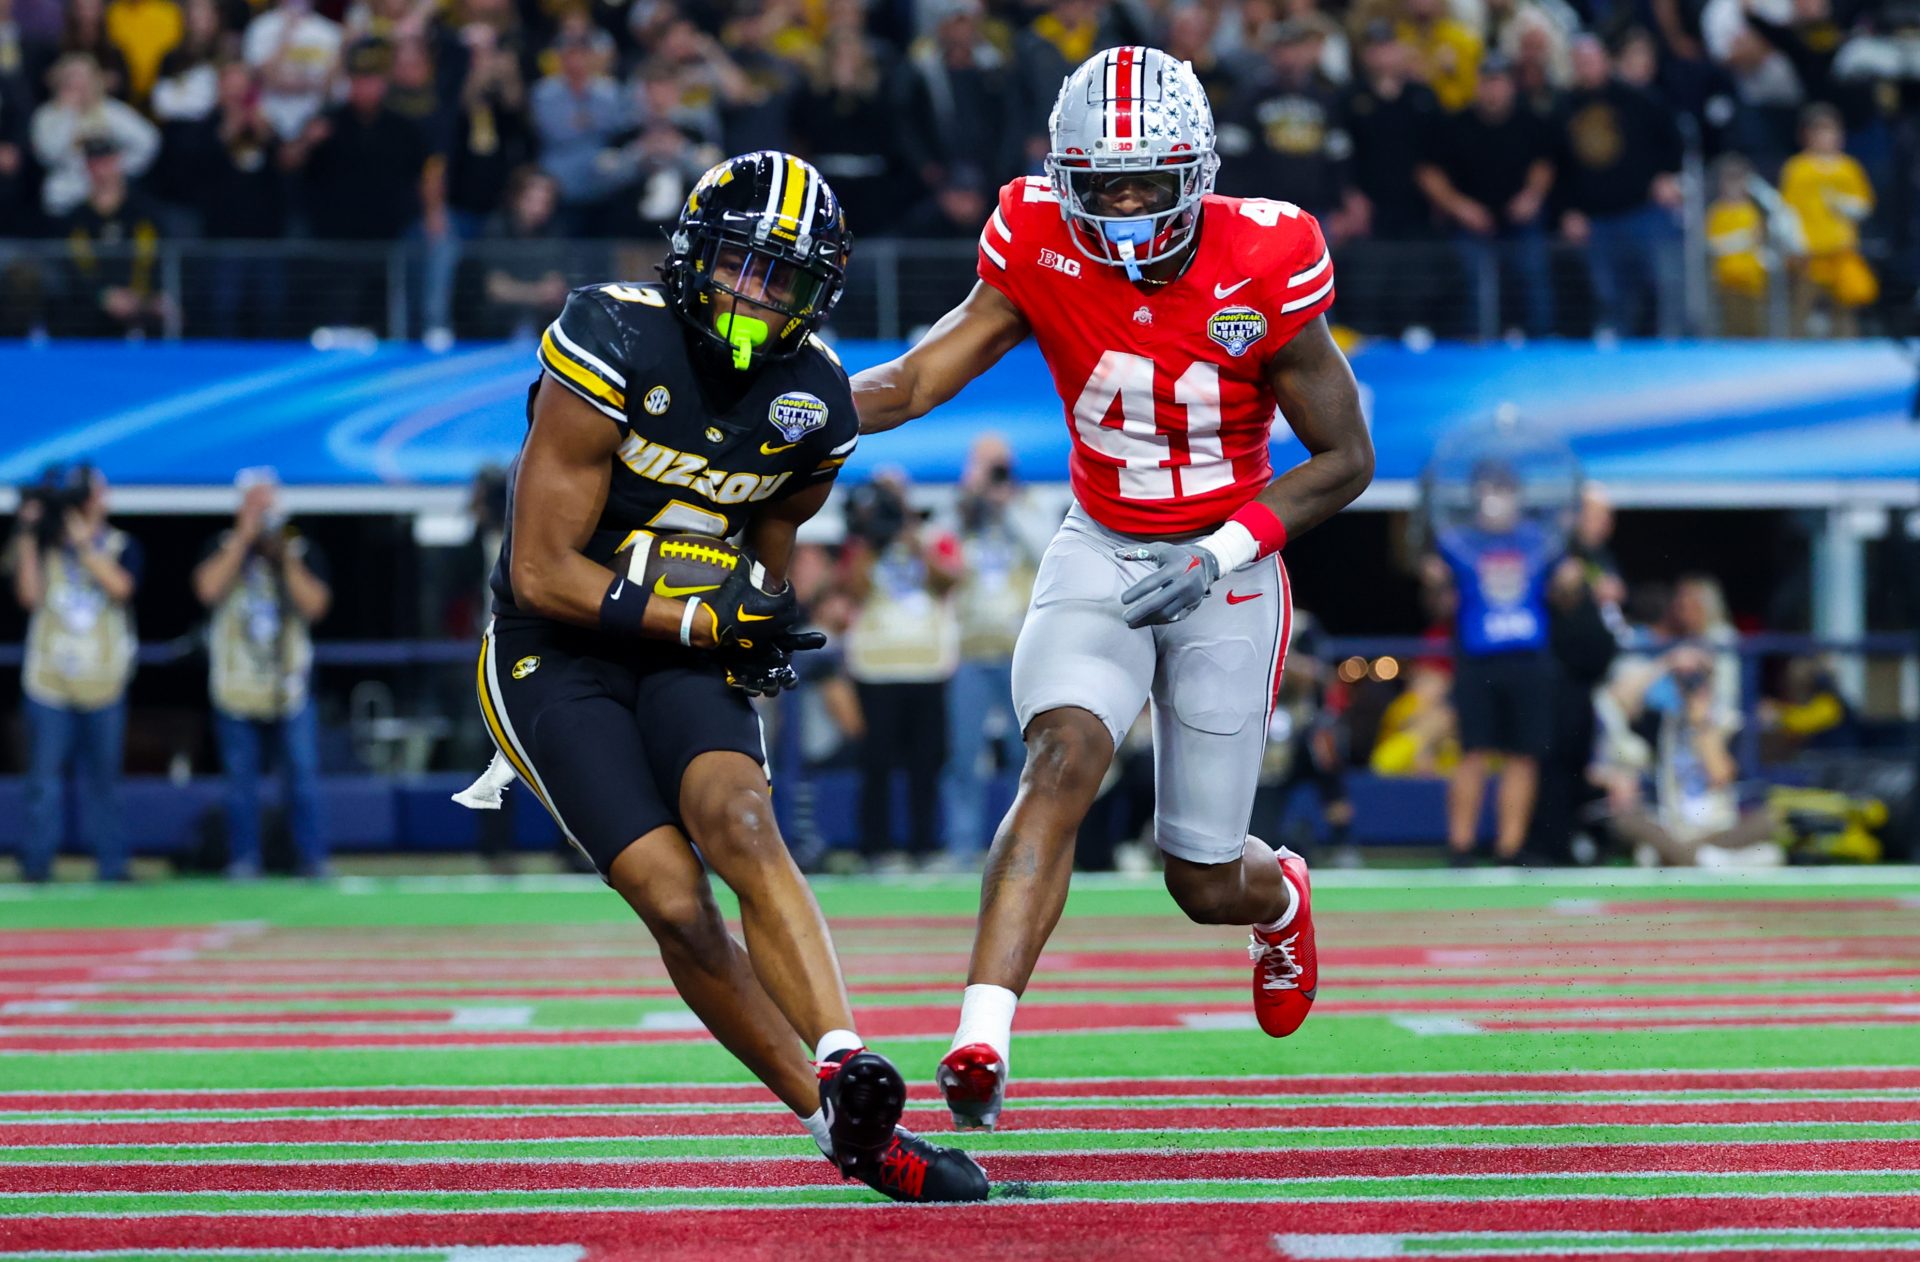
1264 525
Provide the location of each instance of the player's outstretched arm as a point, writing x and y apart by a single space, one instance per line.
1320 399
558 494
966 342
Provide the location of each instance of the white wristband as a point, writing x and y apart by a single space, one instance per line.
1233 546
686 621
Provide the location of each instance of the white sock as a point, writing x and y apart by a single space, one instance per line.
1286 917
816 1124
986 1016
836 1041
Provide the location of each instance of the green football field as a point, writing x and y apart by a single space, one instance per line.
1499 1065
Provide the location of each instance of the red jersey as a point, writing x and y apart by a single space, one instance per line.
1165 389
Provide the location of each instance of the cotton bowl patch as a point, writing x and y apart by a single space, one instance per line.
1236 328
797 413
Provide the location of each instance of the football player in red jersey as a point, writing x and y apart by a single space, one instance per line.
1178 326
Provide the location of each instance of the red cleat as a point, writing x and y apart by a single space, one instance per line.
974 1080
1286 968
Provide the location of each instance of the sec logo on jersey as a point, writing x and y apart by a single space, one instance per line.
1236 328
797 413
658 400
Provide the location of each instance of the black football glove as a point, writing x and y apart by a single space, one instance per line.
744 616
767 671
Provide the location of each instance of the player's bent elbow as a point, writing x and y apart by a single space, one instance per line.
530 588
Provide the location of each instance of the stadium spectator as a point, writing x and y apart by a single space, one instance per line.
1618 177
1001 556
230 165
84 31
81 110
113 240
1419 733
1828 189
1285 132
75 576
844 119
1736 234
1499 563
657 164
265 586
1677 738
963 103
1489 173
1697 614
1583 648
16 108
954 211
1542 67
901 650
186 88
1446 51
296 53
481 140
526 271
1811 712
1389 120
1190 37
365 174
144 32
576 113
762 48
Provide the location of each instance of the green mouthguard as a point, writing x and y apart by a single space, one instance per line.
743 333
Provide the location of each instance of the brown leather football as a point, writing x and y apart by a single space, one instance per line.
679 566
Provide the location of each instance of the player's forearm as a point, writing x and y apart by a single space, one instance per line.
567 587
883 395
1322 485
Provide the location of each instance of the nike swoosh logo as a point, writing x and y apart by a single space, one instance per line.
1228 291
1234 598
768 449
619 587
662 588
744 616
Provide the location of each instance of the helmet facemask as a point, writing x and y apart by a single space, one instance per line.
757 303
1167 190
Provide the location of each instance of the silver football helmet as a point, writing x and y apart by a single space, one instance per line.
1132 119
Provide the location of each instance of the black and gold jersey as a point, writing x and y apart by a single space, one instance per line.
699 451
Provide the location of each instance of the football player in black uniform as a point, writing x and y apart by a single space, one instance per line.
703 405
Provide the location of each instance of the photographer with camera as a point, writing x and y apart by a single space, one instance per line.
1665 728
1002 556
75 576
901 649
266 586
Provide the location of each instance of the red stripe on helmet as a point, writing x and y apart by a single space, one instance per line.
1123 92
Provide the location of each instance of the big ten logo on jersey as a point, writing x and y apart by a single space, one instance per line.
1236 328
662 464
1059 262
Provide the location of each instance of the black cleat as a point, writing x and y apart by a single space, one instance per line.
863 1096
912 1169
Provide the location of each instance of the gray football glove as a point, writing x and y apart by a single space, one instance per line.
1185 575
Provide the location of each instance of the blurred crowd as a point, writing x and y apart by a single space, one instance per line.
1611 717
1498 126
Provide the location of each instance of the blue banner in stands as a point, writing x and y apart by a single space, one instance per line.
1700 413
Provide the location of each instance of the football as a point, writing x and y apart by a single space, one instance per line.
679 566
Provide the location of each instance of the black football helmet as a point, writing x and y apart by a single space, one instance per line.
758 257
